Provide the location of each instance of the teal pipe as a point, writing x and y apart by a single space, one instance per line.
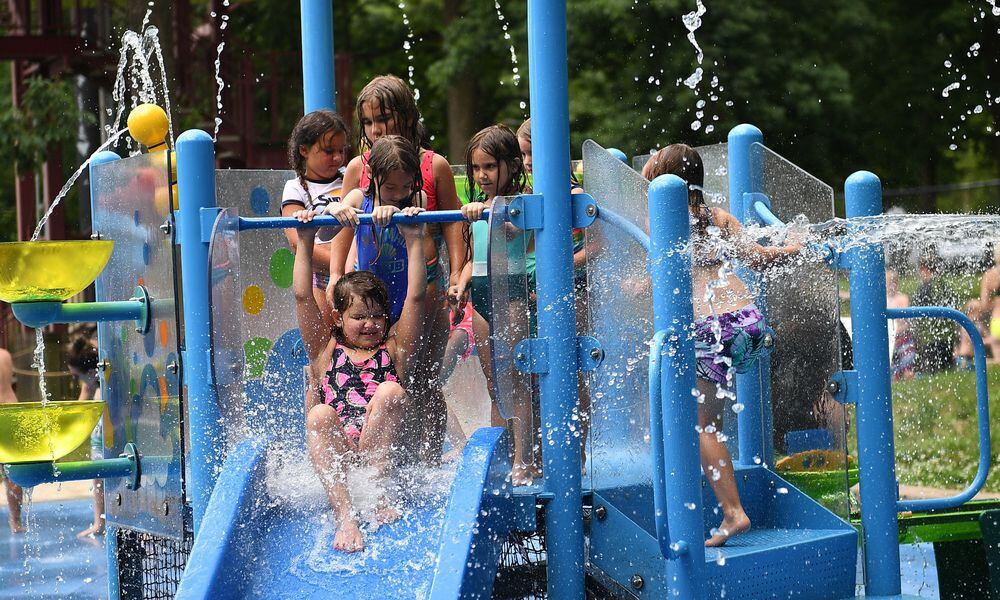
41 314
32 474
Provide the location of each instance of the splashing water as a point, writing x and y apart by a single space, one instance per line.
408 46
514 69
972 96
692 21
69 184
38 363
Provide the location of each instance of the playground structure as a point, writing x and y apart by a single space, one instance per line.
202 376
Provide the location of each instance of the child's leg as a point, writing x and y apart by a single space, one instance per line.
97 526
458 343
15 496
481 333
385 416
329 448
717 464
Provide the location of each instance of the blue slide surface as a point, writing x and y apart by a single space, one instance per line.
251 546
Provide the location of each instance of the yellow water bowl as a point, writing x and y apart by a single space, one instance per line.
148 125
31 432
50 271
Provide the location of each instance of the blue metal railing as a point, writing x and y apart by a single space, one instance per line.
982 405
630 228
431 216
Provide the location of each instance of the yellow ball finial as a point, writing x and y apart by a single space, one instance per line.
148 125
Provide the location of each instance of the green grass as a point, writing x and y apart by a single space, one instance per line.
936 430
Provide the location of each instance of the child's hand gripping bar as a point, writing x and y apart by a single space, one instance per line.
431 216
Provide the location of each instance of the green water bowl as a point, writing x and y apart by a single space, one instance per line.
50 271
821 484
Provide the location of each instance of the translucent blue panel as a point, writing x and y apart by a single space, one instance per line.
511 320
621 318
804 311
227 328
261 300
714 158
131 200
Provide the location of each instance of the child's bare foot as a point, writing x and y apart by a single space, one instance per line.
16 527
522 474
92 531
348 538
731 526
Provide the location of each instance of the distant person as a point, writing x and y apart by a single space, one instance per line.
15 494
82 362
985 312
935 338
904 350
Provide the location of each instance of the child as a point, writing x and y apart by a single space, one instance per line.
356 405
729 330
82 362
316 152
494 168
15 494
386 106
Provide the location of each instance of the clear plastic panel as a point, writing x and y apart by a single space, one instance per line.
510 288
621 317
131 200
803 309
261 299
227 331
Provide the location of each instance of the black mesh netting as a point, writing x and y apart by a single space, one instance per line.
522 573
150 566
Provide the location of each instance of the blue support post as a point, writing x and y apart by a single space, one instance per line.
876 451
673 313
319 88
561 450
753 389
196 187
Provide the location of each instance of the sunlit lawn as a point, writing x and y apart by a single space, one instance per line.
937 432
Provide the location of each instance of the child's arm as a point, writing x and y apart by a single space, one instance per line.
749 251
447 198
321 252
315 335
410 325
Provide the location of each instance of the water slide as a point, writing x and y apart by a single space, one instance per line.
253 545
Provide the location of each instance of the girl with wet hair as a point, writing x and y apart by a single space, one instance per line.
387 106
729 330
317 149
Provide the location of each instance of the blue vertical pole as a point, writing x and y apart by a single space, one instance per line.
196 187
556 306
876 451
319 88
673 312
753 389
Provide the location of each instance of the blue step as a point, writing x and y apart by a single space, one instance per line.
795 548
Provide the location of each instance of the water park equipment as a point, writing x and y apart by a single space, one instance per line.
203 382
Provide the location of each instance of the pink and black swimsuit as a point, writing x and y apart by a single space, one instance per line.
349 386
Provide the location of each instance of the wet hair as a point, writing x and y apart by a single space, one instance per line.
524 131
685 162
311 129
499 142
82 355
369 289
394 99
394 153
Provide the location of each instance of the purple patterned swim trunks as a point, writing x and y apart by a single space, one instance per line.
727 341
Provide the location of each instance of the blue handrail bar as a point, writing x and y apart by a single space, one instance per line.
766 215
431 216
656 445
630 228
982 405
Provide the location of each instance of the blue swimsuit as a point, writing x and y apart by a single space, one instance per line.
383 252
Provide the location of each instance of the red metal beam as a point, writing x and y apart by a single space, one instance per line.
38 47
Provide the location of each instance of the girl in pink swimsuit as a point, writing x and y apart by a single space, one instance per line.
356 404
